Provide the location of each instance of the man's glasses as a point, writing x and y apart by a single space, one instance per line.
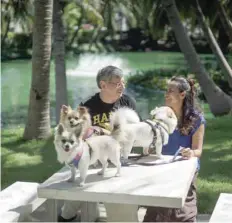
118 84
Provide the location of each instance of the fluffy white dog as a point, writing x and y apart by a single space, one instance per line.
129 131
79 154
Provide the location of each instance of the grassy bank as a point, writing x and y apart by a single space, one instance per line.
36 161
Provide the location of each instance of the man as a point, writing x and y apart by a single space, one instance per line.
111 83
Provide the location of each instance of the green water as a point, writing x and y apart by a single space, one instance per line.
81 72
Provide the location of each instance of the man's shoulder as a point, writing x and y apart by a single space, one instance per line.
128 100
90 100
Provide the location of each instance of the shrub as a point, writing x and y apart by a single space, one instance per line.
157 79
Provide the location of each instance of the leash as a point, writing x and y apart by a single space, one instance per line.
177 153
158 162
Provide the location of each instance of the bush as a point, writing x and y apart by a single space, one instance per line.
157 79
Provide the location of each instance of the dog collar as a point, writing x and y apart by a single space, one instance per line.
76 159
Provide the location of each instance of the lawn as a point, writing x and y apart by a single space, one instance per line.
36 161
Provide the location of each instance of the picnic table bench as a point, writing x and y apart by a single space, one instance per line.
223 209
146 182
18 201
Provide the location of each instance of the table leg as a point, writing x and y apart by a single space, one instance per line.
121 212
89 211
52 210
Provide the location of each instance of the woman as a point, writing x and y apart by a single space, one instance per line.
189 134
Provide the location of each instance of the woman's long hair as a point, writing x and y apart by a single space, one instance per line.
191 108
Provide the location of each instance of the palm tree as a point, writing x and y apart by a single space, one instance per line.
38 120
6 20
214 45
219 102
59 55
15 12
77 12
227 24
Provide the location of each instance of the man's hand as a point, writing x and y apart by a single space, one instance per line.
100 131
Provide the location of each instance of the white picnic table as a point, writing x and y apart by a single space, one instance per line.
147 182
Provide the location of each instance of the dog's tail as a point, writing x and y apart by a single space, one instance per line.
119 119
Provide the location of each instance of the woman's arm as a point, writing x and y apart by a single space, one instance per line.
197 141
197 144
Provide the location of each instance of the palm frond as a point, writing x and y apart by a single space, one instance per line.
92 14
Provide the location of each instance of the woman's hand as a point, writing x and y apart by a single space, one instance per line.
187 153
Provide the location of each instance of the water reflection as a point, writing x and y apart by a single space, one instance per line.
89 64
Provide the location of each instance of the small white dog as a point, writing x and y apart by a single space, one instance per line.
79 154
129 131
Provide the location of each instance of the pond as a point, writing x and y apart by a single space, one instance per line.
81 73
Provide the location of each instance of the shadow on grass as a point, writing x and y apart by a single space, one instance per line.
37 172
215 175
16 115
207 201
216 162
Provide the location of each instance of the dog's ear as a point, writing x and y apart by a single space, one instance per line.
153 112
170 115
60 129
82 110
65 109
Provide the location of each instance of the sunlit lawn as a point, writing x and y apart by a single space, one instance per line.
215 175
36 161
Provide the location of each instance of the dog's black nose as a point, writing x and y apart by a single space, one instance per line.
67 146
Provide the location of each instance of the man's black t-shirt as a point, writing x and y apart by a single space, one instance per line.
100 111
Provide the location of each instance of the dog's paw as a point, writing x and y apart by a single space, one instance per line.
100 172
146 151
95 164
117 175
71 180
81 184
160 157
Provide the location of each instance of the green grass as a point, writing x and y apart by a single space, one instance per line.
215 175
36 161
26 160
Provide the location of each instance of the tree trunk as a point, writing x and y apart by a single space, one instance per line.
226 23
59 55
8 18
38 120
214 45
6 33
219 102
